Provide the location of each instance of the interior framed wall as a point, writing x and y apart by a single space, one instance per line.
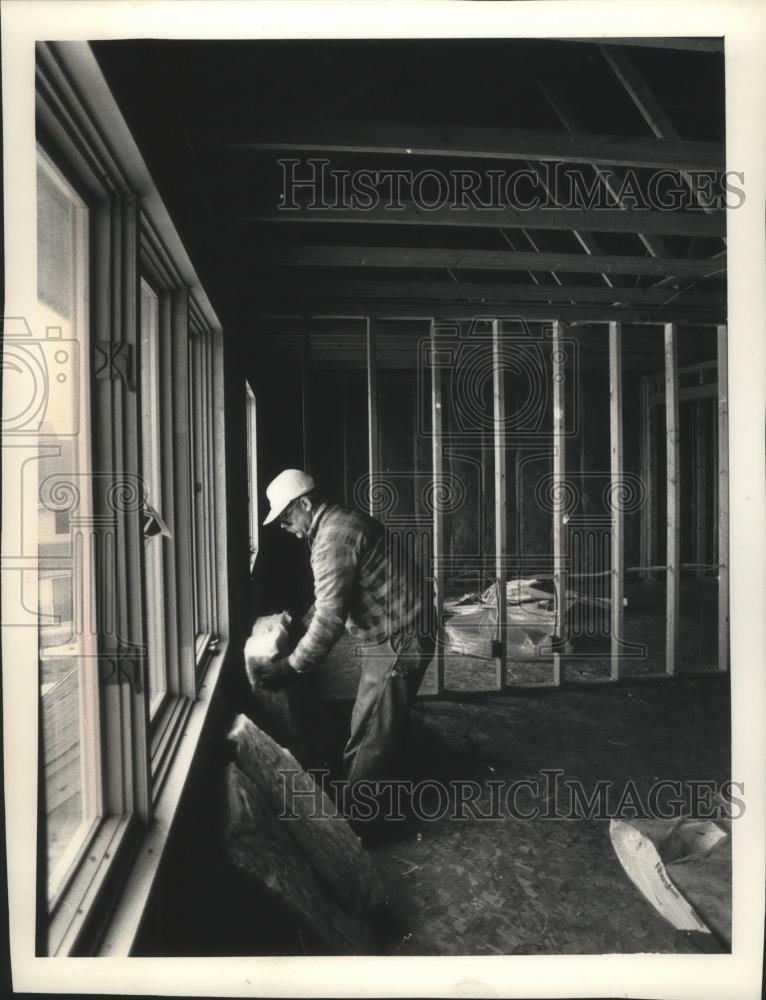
534 449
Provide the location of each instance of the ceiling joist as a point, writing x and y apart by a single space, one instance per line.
486 292
490 260
421 309
470 142
595 220
475 148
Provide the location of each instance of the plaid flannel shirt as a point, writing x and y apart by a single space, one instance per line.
358 586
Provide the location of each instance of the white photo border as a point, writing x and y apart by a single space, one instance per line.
743 26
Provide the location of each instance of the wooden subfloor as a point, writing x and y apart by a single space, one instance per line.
517 886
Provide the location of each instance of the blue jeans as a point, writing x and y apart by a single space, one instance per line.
391 675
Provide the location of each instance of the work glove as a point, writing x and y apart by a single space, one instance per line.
274 676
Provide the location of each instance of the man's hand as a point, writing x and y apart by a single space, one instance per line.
274 676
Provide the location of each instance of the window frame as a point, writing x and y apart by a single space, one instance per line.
158 701
201 428
87 691
251 424
158 270
114 834
144 767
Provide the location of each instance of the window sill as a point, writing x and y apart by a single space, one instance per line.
128 912
99 859
167 734
205 648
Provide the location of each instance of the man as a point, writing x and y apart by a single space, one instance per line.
384 603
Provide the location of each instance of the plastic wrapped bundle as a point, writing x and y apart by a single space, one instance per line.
471 620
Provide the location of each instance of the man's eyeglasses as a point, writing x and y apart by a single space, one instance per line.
285 516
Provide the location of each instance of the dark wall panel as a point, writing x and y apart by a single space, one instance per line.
396 413
631 448
326 435
282 564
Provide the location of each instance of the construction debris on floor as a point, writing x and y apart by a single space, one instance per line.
683 867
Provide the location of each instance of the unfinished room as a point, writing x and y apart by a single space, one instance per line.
384 537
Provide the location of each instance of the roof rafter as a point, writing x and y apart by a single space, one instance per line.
701 44
652 112
571 121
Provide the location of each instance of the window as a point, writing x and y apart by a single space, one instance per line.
152 480
201 459
131 521
67 637
197 502
252 472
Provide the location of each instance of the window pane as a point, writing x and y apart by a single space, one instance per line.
152 475
200 468
195 497
67 635
252 474
209 465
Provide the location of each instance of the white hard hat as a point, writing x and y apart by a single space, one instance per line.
288 486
